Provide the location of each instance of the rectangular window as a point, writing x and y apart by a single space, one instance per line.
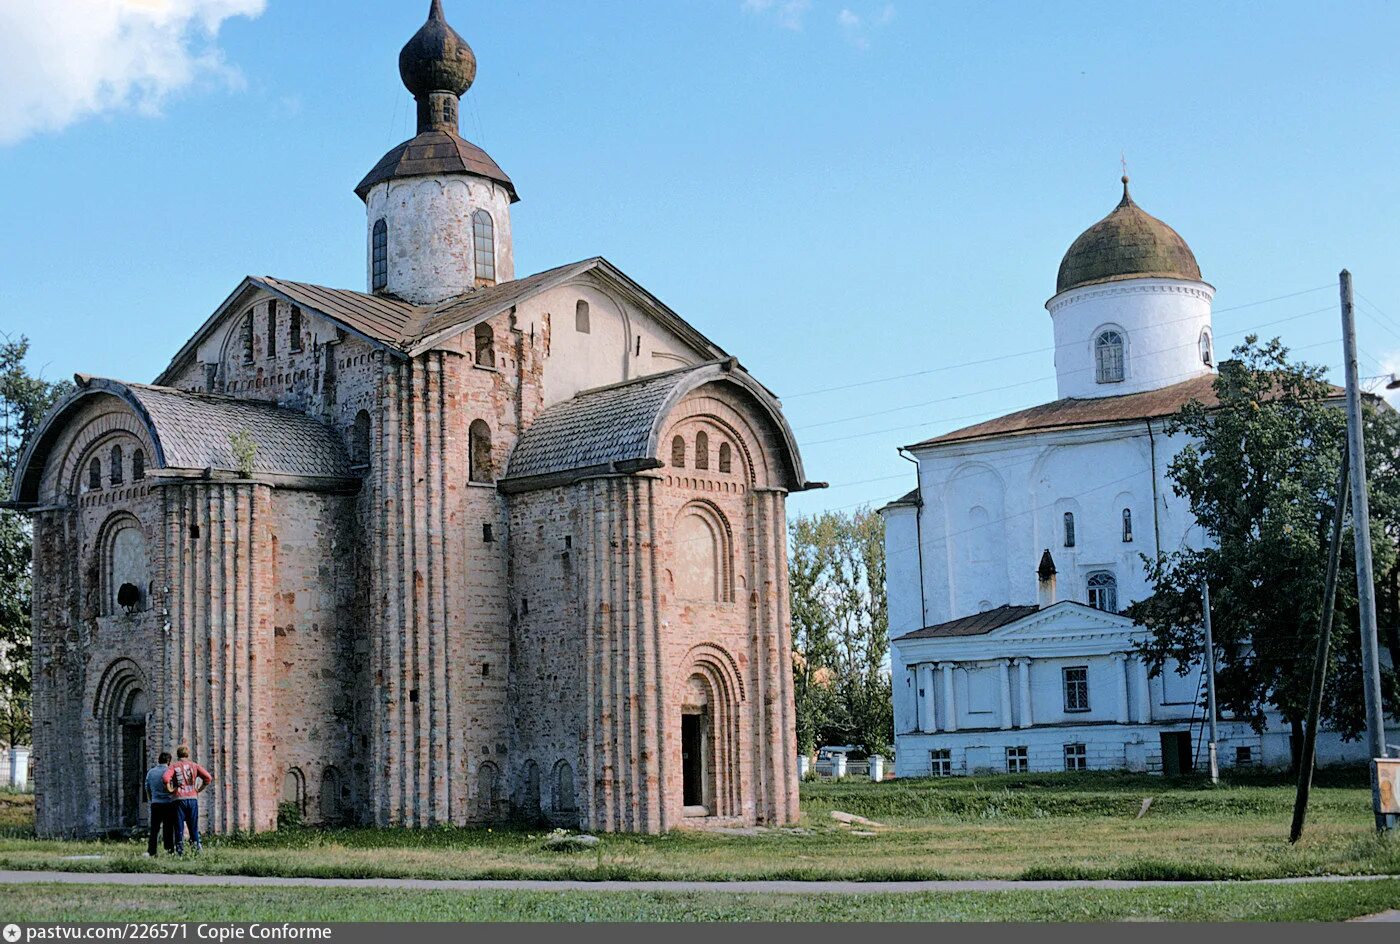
1018 760
1076 757
271 329
486 536
295 329
1076 688
941 763
1244 757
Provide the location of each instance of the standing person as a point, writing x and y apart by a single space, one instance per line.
162 806
186 780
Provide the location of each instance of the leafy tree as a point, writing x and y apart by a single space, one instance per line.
1260 476
24 399
840 631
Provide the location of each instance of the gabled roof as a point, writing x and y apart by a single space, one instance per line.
1072 412
194 432
408 329
617 428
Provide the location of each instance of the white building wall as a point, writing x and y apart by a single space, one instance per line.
429 219
1161 320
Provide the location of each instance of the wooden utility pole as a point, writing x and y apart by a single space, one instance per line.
1210 684
1324 641
1361 531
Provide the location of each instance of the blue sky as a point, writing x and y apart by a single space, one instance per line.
836 192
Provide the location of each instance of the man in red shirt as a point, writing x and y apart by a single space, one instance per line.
186 780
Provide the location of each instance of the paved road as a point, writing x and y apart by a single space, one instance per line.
758 887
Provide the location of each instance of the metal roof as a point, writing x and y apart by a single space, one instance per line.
431 154
1071 412
1129 243
979 624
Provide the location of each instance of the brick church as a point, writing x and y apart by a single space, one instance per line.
459 548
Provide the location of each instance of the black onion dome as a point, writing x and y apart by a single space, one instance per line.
437 59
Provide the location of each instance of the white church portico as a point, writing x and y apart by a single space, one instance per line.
1009 565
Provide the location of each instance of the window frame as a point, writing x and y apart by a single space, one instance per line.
1018 759
1067 526
483 247
1205 345
379 256
1127 526
1110 357
1106 589
940 762
1076 757
1075 690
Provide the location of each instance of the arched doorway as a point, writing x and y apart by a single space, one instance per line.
121 711
710 706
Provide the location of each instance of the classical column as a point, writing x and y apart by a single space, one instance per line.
1005 677
1120 675
927 709
950 713
1144 691
1026 719
911 686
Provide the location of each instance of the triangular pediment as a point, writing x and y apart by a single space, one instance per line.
1067 616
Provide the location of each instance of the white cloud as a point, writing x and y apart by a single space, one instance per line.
859 29
787 13
65 60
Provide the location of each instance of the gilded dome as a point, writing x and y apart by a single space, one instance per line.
437 59
1129 243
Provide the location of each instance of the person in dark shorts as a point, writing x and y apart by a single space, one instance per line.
163 814
186 780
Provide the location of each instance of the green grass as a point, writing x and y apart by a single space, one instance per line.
1028 826
112 903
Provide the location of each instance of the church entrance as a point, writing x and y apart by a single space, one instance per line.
695 763
133 759
1176 753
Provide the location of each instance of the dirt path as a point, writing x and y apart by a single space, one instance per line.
756 887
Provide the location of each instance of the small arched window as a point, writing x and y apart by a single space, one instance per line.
116 474
1127 525
1108 357
702 451
485 346
678 452
1103 591
1069 529
563 787
360 439
480 457
138 465
581 319
294 792
1207 354
726 457
95 474
379 257
484 244
488 789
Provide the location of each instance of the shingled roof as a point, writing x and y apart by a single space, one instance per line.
616 428
434 153
194 432
1074 412
978 624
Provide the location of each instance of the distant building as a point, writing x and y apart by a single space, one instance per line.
459 547
1009 564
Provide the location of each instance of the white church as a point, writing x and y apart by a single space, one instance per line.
1009 565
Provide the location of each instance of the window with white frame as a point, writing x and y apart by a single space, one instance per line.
1108 356
484 245
1207 355
941 762
1076 757
1103 591
1018 760
1076 679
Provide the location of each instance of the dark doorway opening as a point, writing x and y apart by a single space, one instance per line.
1176 753
133 760
693 763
